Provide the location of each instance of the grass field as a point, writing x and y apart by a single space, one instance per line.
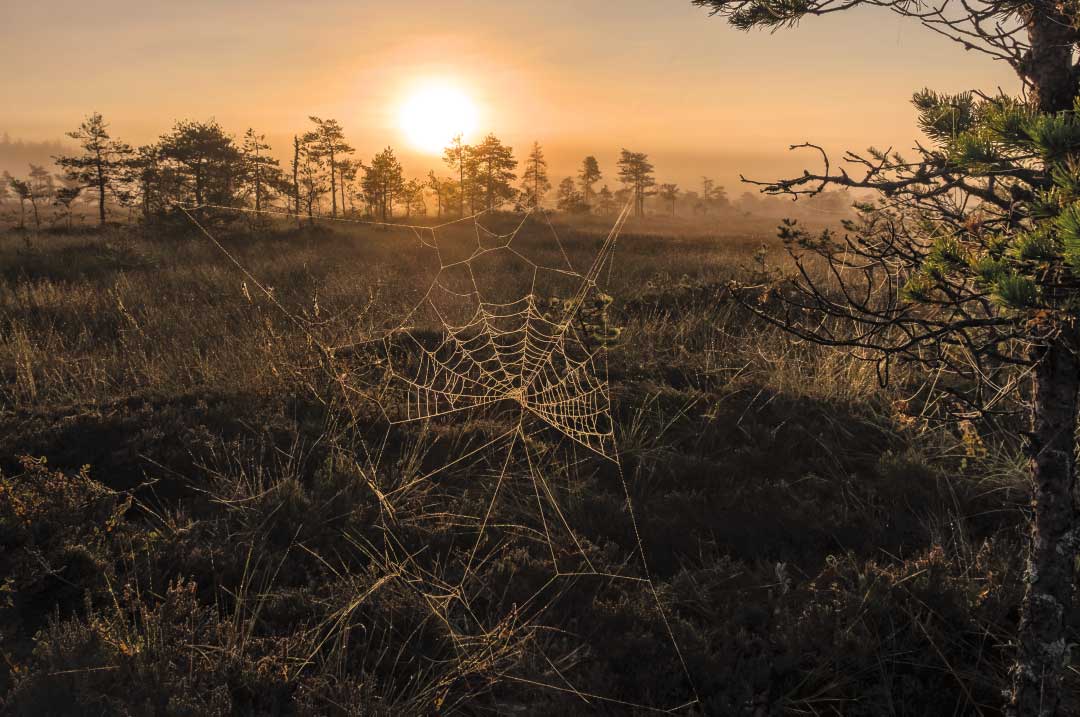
195 519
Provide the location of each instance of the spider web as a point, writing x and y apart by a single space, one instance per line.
475 346
515 352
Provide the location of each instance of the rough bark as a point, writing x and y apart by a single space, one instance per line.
1048 64
1037 674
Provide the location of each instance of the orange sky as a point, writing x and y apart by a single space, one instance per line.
580 76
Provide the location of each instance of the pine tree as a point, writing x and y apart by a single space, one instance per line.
327 142
297 148
569 199
669 193
712 195
65 197
458 156
636 174
445 191
494 166
589 175
21 188
534 181
260 168
412 198
383 182
348 171
103 164
605 202
970 267
205 161
42 189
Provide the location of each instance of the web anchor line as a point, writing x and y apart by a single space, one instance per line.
514 353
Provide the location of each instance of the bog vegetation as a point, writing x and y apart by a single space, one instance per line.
817 544
845 482
196 520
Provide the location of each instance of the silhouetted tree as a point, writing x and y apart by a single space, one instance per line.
589 175
534 181
442 189
103 163
205 159
383 181
636 174
295 166
494 165
259 167
412 197
65 197
457 156
312 177
569 199
971 267
712 195
348 171
669 193
143 182
605 202
21 188
42 190
327 141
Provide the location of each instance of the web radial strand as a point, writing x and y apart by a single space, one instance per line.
460 349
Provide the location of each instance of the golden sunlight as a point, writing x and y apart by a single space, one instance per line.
434 114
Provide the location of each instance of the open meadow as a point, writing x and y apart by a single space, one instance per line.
208 511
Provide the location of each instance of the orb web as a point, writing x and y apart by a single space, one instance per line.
480 347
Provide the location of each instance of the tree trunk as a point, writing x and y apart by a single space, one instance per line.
101 192
1048 64
333 185
296 178
1037 674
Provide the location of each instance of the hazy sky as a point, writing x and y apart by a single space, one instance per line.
581 76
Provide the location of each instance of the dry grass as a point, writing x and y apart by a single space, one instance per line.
818 549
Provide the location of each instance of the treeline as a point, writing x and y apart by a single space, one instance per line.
200 164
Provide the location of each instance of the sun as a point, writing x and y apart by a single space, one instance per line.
434 114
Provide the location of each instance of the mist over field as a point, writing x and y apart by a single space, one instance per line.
617 358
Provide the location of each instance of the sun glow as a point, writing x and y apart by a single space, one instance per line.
434 114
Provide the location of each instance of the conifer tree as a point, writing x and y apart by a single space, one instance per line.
605 202
669 193
327 141
970 267
348 171
458 157
383 182
636 174
569 198
65 197
589 175
534 181
494 165
295 166
260 168
205 161
42 189
21 188
438 187
103 164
